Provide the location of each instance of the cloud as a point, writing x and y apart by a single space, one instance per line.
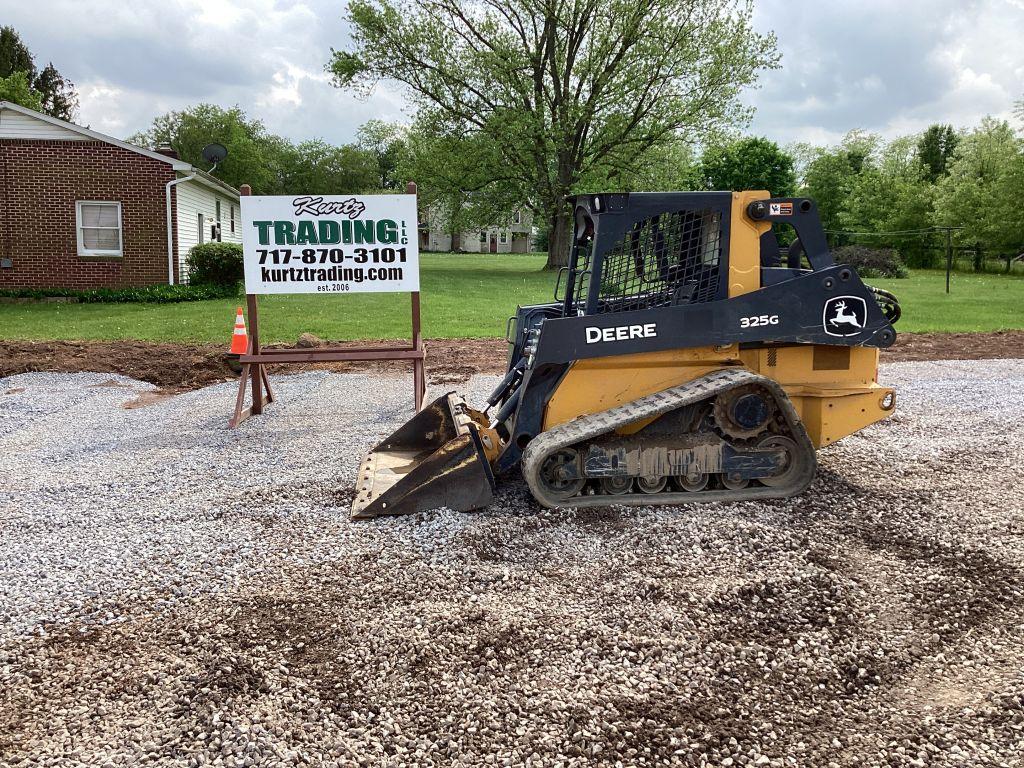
134 61
889 67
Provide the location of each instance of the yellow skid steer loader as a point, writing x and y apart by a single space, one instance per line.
686 359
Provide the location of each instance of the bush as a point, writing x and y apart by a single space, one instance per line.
871 262
540 240
153 294
918 256
216 264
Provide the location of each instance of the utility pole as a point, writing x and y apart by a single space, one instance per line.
949 251
949 255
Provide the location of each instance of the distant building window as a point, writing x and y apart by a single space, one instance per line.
483 237
504 236
232 218
518 218
99 228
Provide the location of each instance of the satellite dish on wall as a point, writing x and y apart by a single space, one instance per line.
214 153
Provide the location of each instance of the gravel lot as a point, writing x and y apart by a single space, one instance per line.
175 593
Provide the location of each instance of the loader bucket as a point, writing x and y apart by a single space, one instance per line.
436 459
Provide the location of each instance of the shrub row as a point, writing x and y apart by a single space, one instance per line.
215 272
153 294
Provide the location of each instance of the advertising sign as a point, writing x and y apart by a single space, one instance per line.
330 243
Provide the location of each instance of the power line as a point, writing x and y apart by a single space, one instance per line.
929 230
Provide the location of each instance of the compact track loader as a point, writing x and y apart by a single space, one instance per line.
684 362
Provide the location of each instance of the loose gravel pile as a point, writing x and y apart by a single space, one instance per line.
175 593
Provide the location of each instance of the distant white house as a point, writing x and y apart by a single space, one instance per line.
80 209
514 237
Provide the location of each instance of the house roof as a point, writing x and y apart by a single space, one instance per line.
176 163
212 181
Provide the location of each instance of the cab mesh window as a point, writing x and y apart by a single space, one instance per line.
668 259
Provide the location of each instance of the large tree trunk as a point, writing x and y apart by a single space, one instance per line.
559 238
455 246
560 234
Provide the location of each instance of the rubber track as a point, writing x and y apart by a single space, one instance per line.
588 427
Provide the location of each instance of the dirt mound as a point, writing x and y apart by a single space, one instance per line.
169 366
177 367
956 346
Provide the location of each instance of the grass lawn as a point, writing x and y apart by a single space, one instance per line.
976 302
463 295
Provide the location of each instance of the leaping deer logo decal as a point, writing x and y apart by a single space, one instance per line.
842 317
845 315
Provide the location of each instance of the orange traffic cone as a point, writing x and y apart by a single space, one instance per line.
240 339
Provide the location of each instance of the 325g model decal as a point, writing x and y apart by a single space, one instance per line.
755 321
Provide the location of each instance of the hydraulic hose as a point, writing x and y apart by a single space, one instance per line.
888 303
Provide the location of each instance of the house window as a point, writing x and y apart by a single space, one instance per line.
518 218
99 228
504 236
483 237
217 209
232 218
201 229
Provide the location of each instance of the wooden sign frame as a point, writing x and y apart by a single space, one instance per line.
255 360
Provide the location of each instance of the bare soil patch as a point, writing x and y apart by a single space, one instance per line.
181 367
176 367
955 346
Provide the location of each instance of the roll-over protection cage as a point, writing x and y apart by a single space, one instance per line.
634 251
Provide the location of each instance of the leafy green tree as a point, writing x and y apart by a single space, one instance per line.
983 187
270 164
315 166
892 194
17 89
254 156
57 96
387 143
830 174
803 155
665 168
828 180
457 188
749 163
562 90
15 55
935 148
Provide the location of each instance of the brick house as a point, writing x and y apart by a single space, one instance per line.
79 209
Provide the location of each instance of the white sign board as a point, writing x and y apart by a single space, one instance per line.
330 243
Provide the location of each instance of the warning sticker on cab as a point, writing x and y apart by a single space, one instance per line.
780 209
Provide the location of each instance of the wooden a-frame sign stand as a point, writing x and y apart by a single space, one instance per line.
254 362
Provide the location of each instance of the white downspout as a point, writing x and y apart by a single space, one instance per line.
170 231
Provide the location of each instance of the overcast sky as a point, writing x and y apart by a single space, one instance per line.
887 66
